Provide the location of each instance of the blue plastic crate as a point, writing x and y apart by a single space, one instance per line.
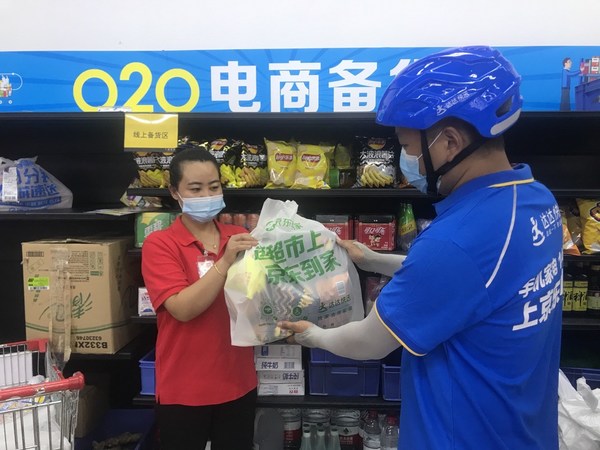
390 382
318 355
119 421
147 373
360 379
592 376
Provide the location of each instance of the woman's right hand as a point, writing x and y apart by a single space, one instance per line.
237 243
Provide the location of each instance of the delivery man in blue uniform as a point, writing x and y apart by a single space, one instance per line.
476 304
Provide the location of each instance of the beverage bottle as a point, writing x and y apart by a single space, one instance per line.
306 439
567 292
292 428
372 432
320 443
593 294
347 423
334 439
580 287
389 433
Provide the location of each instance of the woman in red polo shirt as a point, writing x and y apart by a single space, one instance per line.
205 387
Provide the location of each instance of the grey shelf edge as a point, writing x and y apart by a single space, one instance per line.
61 214
305 401
333 193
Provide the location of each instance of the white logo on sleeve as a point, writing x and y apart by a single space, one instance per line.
538 236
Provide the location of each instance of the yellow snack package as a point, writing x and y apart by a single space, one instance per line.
589 211
312 167
281 163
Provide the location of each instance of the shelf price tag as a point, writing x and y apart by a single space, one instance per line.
158 131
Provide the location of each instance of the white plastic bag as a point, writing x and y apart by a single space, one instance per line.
296 272
25 186
578 415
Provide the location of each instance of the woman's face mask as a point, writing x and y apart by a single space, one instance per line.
202 209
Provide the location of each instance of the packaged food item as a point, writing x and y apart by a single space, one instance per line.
25 185
153 168
569 248
226 218
252 220
281 164
378 232
376 162
312 167
340 224
589 211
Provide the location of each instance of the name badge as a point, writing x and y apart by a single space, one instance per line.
205 262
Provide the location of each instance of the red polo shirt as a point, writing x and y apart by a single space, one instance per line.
195 361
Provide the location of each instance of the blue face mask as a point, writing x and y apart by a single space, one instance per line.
409 165
203 209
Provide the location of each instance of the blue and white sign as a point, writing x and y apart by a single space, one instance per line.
280 80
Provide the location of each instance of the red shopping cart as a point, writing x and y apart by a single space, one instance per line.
38 405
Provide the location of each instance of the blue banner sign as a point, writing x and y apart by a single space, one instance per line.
292 80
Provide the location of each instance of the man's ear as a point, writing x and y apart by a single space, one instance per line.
455 141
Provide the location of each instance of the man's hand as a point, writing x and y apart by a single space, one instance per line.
296 327
356 253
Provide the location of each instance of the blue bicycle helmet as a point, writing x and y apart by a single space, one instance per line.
475 84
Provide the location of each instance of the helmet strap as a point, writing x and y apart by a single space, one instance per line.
429 172
468 150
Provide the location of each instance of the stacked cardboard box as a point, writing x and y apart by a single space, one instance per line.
279 369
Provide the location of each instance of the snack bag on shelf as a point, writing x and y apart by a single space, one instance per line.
589 211
569 248
150 169
281 164
24 185
243 165
376 162
296 272
312 167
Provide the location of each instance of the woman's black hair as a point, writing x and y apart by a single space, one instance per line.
189 154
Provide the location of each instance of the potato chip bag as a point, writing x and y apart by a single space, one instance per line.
281 163
569 248
312 167
589 211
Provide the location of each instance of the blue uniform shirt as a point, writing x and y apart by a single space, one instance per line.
477 305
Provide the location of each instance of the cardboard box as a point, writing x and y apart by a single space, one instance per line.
149 222
145 307
281 389
278 351
103 282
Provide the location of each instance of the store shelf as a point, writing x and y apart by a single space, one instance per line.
306 401
336 193
295 193
59 214
583 258
581 324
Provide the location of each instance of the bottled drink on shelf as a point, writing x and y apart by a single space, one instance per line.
306 439
347 423
580 287
389 433
567 292
593 294
372 432
320 442
292 428
334 439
